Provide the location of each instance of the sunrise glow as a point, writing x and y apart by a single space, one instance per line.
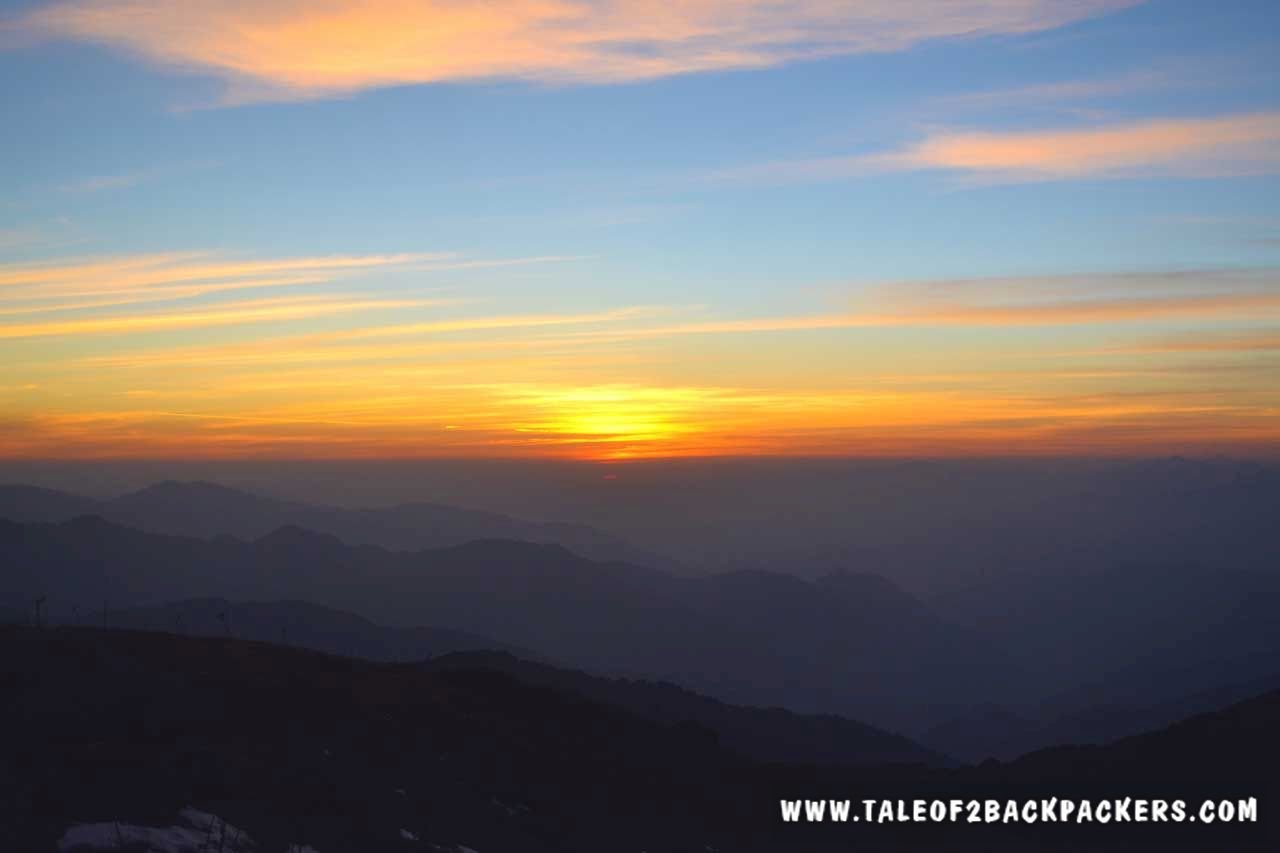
627 230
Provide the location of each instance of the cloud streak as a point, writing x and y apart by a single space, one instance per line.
225 314
139 279
313 48
1224 146
112 275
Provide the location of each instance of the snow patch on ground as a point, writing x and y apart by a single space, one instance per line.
194 832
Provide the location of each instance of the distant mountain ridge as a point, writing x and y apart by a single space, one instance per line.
298 623
207 510
853 647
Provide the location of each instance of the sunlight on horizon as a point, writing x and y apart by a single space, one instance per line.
611 232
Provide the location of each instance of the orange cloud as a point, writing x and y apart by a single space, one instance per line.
311 48
111 275
1074 312
49 287
330 347
472 324
1232 145
1246 144
226 314
1093 310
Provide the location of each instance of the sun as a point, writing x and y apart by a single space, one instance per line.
610 420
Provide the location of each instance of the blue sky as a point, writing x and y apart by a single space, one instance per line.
779 191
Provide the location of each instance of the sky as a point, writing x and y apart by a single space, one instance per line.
626 229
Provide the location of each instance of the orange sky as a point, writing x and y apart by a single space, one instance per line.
1129 364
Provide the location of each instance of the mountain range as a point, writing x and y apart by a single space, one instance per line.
205 510
849 644
1021 660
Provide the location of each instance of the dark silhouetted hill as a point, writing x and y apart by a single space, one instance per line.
123 729
297 623
994 732
763 734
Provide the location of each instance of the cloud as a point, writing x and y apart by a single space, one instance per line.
1013 302
134 279
370 344
115 274
1094 310
472 324
1079 299
313 48
90 288
47 305
225 314
1225 146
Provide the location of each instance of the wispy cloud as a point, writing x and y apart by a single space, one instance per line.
55 304
370 343
128 279
313 48
1079 300
1027 301
98 296
224 314
113 274
1234 145
472 324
